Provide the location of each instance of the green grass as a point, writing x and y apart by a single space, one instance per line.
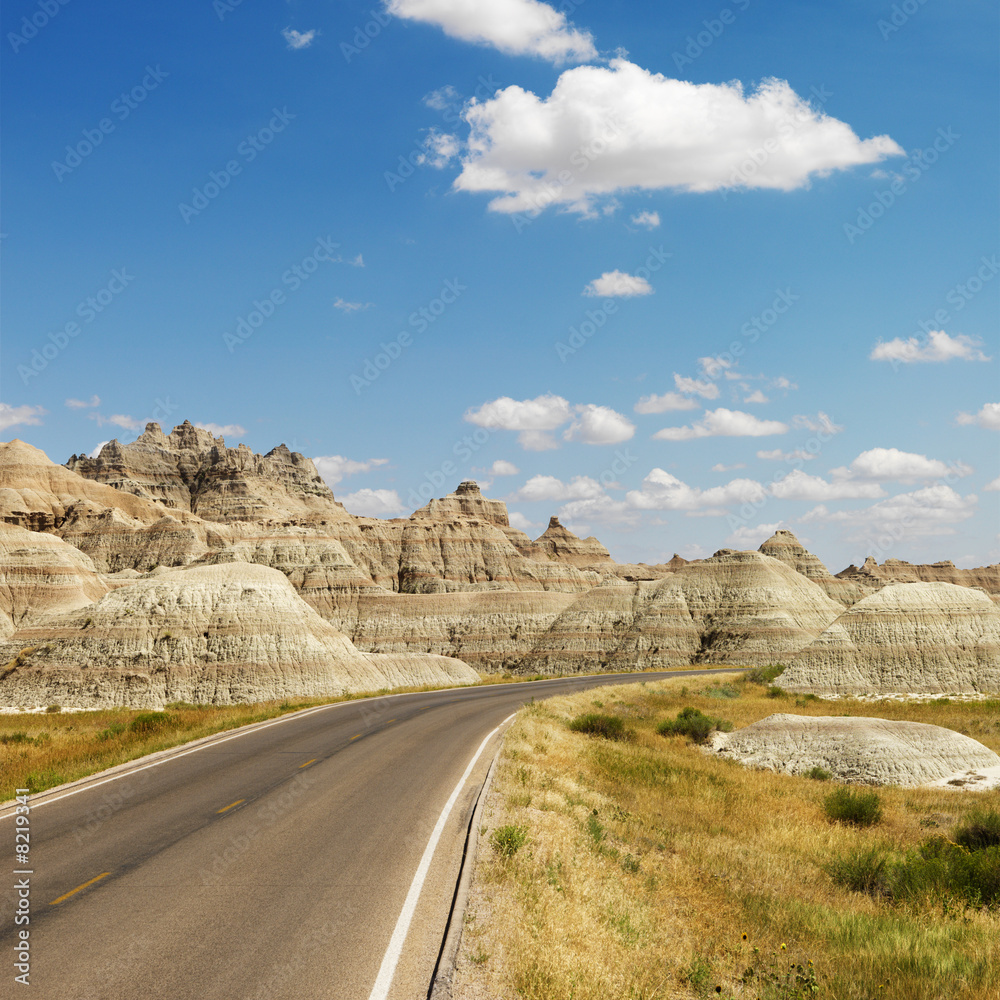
857 807
693 723
508 840
610 727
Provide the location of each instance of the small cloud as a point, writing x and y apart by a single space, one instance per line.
443 98
599 425
617 284
756 397
937 347
79 404
358 261
222 430
123 420
662 404
993 486
698 387
821 423
882 464
783 383
719 467
299 39
333 468
747 537
549 488
440 148
501 467
648 220
11 416
519 521
373 503
723 423
350 307
777 455
988 417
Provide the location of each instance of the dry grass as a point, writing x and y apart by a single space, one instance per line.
647 862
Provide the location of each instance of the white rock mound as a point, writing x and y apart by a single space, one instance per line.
858 750
932 638
207 634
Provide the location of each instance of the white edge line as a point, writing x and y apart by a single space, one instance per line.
380 991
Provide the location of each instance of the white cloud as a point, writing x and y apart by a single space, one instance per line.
123 420
440 148
334 468
880 464
578 514
938 347
648 220
993 486
783 383
599 425
298 39
747 537
723 423
633 129
799 485
534 418
698 387
777 455
933 510
501 467
662 491
350 307
719 467
373 503
617 284
714 367
519 521
988 417
11 416
79 404
539 488
661 404
756 397
514 27
821 423
97 449
443 98
223 430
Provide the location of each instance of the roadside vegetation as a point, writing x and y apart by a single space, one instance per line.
646 868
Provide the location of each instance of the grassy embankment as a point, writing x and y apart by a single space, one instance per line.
640 867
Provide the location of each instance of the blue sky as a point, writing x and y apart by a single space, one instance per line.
694 271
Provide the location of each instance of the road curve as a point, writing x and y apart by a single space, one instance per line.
271 862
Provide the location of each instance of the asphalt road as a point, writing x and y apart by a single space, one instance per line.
273 862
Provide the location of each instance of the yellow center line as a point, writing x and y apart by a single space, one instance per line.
358 737
308 762
230 806
56 902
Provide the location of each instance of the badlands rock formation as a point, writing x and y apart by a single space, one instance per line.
863 751
871 576
453 579
205 634
905 638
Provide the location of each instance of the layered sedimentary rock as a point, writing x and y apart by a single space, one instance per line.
785 546
559 544
858 750
205 634
872 576
41 574
191 470
905 638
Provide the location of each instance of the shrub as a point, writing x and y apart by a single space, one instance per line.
146 723
819 774
18 737
855 807
54 708
721 691
508 840
692 722
115 729
610 727
980 829
865 871
764 675
775 692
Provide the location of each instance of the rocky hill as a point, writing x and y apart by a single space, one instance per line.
185 511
